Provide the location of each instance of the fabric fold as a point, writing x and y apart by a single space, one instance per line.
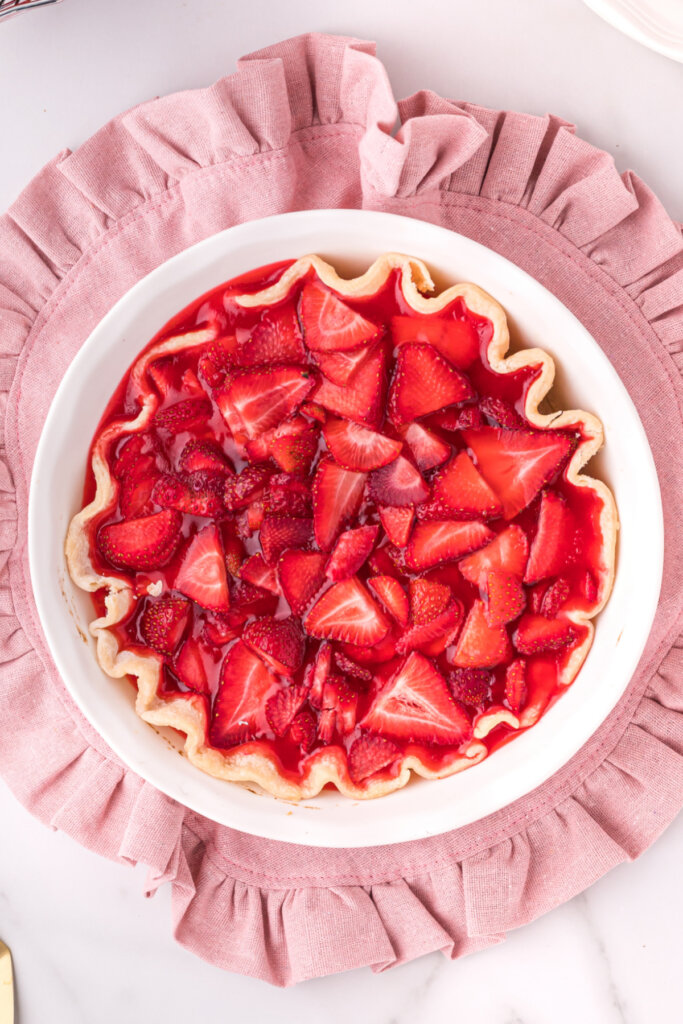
312 122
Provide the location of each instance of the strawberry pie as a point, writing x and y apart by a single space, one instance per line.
335 534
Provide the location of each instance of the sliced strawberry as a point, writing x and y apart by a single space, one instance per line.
233 548
329 324
135 496
203 455
399 484
471 685
257 400
246 600
377 654
216 360
518 463
350 552
392 595
461 489
355 447
217 630
282 707
427 449
553 541
554 597
287 496
501 413
350 668
397 523
362 398
301 575
515 684
303 729
505 597
279 533
190 414
197 494
275 339
456 340
382 564
369 755
339 705
279 642
536 633
589 587
238 711
427 600
257 572
481 645
294 453
144 543
423 383
163 623
241 490
434 636
347 612
415 705
337 493
467 418
202 575
433 543
129 454
319 674
189 666
339 367
508 552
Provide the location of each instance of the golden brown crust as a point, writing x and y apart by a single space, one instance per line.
249 764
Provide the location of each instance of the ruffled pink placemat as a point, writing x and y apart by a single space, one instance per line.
308 123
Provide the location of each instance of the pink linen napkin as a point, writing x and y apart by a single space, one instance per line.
308 123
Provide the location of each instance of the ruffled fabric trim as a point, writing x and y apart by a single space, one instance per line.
314 119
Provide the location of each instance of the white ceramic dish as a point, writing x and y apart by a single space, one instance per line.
657 24
351 240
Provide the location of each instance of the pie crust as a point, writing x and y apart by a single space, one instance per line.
250 762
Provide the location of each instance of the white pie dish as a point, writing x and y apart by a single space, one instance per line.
351 240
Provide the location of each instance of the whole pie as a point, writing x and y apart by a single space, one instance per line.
330 535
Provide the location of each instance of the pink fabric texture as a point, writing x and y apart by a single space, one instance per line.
311 123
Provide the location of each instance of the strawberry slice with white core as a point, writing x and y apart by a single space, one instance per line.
164 622
415 705
144 543
301 575
433 543
397 523
318 675
239 707
456 340
339 704
350 552
253 402
329 324
362 398
337 493
552 541
536 633
423 383
427 449
460 487
369 755
517 463
347 612
505 597
398 484
279 642
257 572
202 575
358 448
392 595
481 645
442 628
339 367
189 666
508 552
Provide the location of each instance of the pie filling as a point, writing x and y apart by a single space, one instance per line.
343 534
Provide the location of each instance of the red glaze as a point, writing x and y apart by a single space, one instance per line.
494 392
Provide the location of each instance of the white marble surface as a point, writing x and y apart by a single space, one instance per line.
88 947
